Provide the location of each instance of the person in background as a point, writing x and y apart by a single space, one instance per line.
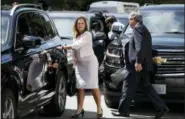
15 2
140 67
86 66
109 22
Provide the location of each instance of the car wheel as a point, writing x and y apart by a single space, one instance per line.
8 102
57 105
108 102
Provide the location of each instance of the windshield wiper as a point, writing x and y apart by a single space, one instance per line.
175 32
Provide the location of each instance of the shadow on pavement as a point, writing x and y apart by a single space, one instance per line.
147 111
66 115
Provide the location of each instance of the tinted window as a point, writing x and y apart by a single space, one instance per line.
130 8
40 25
49 28
104 9
163 21
33 24
4 29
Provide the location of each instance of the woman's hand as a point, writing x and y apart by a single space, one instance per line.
64 47
68 47
60 47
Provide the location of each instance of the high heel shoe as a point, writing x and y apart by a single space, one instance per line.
78 114
99 115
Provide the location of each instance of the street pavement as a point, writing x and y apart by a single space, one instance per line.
141 111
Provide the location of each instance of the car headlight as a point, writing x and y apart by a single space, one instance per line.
114 52
115 61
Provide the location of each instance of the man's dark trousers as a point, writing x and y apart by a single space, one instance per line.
131 83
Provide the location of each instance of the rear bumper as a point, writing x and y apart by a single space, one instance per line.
175 96
175 88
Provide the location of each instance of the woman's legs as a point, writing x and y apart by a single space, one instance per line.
80 99
97 98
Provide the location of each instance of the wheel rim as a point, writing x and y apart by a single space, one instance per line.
62 93
8 112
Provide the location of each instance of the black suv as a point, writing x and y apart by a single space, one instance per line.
166 25
33 72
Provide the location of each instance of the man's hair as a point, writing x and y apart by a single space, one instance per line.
110 19
136 15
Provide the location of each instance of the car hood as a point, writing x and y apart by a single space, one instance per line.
168 41
164 41
67 41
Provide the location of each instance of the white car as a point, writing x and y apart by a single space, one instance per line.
113 6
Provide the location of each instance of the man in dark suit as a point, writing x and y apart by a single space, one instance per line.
139 64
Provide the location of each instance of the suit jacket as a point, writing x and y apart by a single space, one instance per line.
140 48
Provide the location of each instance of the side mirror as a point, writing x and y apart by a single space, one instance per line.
31 41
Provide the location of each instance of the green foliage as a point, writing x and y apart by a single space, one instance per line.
83 4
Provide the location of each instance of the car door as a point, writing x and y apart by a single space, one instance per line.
46 30
24 57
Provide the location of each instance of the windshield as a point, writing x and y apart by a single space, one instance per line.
4 29
124 21
103 9
64 25
162 22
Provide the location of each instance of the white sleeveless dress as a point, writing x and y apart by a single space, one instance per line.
86 63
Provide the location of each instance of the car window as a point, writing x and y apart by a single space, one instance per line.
64 25
40 25
104 9
124 21
162 22
49 29
4 29
33 24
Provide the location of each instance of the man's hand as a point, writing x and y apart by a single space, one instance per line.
138 67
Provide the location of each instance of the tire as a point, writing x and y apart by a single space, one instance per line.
108 102
57 105
8 101
111 104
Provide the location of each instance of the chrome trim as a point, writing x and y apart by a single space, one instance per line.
112 55
170 50
172 75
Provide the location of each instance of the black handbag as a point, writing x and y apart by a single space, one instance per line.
119 76
71 86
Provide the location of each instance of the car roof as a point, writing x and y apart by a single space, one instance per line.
8 12
163 7
69 13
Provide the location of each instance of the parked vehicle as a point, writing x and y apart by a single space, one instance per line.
113 6
166 25
33 72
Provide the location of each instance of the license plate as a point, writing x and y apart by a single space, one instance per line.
160 88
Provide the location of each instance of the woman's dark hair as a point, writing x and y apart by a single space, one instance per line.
75 29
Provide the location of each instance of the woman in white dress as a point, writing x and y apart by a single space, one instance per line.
86 66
